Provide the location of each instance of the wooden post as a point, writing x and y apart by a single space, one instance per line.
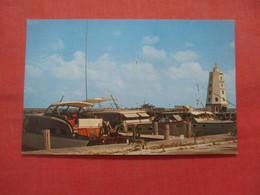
155 128
181 139
167 132
46 139
125 126
134 131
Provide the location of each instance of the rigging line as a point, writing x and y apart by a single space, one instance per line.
198 88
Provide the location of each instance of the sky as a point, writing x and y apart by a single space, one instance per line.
160 62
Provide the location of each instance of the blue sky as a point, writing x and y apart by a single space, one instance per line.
171 55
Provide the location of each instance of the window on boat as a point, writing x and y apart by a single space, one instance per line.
49 110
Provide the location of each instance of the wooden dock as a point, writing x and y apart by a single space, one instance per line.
217 144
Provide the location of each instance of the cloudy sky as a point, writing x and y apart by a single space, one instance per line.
139 61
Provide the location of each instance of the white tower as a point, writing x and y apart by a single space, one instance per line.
216 96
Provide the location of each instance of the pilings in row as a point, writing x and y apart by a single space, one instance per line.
166 131
186 127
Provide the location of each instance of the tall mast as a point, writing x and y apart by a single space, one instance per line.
137 87
86 61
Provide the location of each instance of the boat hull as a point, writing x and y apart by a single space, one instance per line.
213 127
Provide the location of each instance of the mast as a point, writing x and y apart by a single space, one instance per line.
137 87
86 61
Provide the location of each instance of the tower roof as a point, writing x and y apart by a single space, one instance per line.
216 69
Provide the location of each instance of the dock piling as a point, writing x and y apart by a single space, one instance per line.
46 139
189 128
155 128
167 132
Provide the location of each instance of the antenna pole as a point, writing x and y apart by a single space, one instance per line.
137 87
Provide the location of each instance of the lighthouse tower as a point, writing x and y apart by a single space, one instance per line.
216 95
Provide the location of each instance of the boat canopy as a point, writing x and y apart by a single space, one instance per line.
143 114
131 115
98 100
200 112
177 117
78 104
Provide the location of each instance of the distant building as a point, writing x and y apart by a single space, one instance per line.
178 108
216 95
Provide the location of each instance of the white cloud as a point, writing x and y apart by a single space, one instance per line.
58 45
184 56
150 40
151 52
145 71
121 79
33 71
142 79
104 73
60 68
232 45
182 81
190 71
